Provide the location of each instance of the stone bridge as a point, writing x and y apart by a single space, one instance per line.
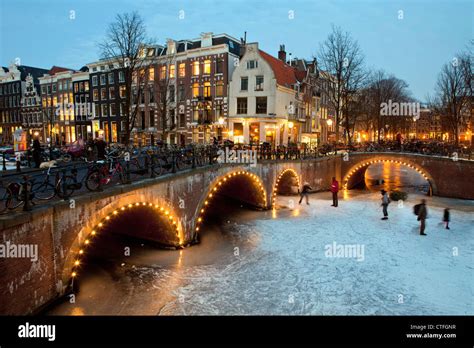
171 210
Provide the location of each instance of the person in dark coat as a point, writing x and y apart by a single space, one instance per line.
37 152
305 192
446 218
334 190
422 215
100 145
385 203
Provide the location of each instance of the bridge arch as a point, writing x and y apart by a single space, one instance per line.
251 191
355 174
111 214
280 182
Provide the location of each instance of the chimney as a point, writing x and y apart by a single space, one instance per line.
282 53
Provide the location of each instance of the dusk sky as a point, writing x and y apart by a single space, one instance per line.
42 33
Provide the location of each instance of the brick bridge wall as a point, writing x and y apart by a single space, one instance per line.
62 230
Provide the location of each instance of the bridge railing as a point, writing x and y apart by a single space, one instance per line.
119 165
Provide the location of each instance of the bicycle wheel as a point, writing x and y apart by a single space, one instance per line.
43 190
92 181
66 186
4 193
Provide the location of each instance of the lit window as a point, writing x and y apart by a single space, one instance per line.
219 88
207 89
172 71
196 68
182 70
195 90
163 73
207 67
151 74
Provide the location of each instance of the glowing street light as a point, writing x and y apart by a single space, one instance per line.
290 125
329 122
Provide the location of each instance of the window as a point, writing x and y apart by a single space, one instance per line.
219 88
122 91
182 120
163 73
181 93
152 118
103 94
95 94
241 105
261 105
76 87
104 110
94 81
244 83
81 87
112 93
103 79
207 89
43 89
111 78
252 64
207 67
121 76
171 93
259 83
182 70
112 109
86 86
172 71
196 68
151 95
54 88
195 90
151 74
220 66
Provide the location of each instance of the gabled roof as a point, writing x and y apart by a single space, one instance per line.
285 74
35 72
56 69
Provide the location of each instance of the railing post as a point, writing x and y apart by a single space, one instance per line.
210 155
152 167
194 157
26 195
63 186
173 161
99 187
4 161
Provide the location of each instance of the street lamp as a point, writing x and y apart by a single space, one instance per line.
329 122
221 120
290 125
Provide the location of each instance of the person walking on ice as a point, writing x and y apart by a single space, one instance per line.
422 212
385 203
446 218
304 193
334 190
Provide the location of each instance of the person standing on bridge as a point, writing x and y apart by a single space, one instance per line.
385 203
305 192
334 190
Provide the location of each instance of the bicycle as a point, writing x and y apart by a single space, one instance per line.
102 173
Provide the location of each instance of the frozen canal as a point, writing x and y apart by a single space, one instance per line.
277 262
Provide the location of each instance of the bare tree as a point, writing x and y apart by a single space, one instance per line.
453 93
341 57
128 45
382 88
166 95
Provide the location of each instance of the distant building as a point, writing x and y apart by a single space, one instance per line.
19 100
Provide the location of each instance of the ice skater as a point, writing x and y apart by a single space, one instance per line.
334 190
446 218
385 203
305 193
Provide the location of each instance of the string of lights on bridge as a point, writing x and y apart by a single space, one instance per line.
219 185
275 189
166 214
354 170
